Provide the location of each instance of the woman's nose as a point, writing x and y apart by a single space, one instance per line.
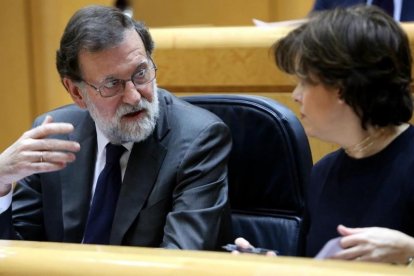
297 95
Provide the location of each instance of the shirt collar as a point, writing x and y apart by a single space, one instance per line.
102 141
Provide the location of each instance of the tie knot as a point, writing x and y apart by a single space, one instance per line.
114 152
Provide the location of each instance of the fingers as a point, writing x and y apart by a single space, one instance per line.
48 119
45 130
243 243
346 231
33 160
353 253
352 236
56 157
46 150
271 254
244 246
41 167
33 139
352 240
357 236
356 244
33 152
56 145
47 127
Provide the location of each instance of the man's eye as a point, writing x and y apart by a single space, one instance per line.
140 73
112 84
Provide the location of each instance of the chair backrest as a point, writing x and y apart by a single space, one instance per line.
269 165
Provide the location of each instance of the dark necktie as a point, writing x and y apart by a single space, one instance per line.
101 214
387 5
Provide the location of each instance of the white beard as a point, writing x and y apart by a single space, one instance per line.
119 132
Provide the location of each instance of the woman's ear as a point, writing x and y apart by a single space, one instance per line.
340 95
75 92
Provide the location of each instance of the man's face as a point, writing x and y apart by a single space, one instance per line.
129 116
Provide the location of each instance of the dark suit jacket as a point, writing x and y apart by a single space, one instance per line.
174 192
407 10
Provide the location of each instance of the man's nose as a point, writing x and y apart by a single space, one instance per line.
131 94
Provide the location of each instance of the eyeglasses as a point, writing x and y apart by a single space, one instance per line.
145 73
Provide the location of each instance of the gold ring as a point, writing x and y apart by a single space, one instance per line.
41 157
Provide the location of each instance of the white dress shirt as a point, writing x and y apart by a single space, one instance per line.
101 156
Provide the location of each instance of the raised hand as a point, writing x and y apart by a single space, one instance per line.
33 153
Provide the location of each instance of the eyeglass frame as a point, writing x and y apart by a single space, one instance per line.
98 89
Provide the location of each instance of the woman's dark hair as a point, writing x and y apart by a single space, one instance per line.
360 50
94 29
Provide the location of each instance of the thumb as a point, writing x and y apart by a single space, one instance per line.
346 231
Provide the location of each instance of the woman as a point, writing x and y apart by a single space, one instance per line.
354 72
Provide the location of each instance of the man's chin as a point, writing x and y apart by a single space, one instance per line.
132 131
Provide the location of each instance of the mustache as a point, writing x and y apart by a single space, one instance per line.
127 108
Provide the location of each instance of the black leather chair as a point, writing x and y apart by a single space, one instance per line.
268 168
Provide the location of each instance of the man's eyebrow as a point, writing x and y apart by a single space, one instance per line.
111 77
144 61
141 64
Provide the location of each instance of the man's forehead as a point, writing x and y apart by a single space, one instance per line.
130 51
131 40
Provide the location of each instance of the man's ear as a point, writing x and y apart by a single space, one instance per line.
75 92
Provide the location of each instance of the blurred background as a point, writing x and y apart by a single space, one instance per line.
31 29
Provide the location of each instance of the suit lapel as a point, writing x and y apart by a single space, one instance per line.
141 174
142 171
76 182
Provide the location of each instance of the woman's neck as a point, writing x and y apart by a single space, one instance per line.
374 140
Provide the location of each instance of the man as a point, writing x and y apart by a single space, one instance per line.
400 10
174 187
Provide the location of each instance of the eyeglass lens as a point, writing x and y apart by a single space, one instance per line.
144 74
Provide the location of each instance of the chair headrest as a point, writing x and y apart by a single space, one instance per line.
270 159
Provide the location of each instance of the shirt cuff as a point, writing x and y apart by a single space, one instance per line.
5 201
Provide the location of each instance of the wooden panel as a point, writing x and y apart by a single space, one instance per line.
31 31
48 19
211 59
229 60
42 258
162 13
289 9
208 59
15 73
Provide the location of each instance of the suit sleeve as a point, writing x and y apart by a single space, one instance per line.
200 200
